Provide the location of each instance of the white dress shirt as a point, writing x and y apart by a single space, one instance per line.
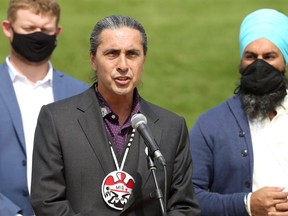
270 149
30 100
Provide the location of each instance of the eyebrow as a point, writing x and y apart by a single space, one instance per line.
267 53
111 50
118 50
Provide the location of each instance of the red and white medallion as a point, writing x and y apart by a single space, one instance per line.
117 188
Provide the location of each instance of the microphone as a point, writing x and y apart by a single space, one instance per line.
139 122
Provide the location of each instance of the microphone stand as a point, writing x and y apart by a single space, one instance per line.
151 165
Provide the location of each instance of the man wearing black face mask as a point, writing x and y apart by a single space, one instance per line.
262 89
34 47
240 147
27 81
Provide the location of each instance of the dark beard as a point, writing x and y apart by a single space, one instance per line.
258 107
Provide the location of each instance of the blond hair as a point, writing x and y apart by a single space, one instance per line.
45 7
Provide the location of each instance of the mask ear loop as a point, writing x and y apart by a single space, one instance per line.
12 28
237 89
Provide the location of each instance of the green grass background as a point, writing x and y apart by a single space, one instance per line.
193 51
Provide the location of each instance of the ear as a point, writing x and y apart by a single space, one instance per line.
93 62
6 28
58 31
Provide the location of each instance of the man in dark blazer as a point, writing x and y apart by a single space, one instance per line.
88 160
27 81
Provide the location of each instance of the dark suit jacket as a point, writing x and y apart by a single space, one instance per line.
72 157
14 195
222 153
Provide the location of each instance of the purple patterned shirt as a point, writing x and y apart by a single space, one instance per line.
118 134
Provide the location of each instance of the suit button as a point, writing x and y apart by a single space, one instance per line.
247 184
25 192
244 153
241 133
24 162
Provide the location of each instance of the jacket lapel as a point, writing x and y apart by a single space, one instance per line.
235 105
7 94
237 110
58 86
92 125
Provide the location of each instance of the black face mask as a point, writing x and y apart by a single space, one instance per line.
34 47
260 78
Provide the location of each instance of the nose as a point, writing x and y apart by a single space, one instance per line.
37 30
122 64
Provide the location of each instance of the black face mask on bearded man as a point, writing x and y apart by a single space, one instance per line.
261 78
262 88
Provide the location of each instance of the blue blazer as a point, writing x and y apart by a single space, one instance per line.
221 147
14 195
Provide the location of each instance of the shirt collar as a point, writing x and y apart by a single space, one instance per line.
284 105
15 75
105 109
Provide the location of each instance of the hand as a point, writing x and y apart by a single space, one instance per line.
265 200
281 210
